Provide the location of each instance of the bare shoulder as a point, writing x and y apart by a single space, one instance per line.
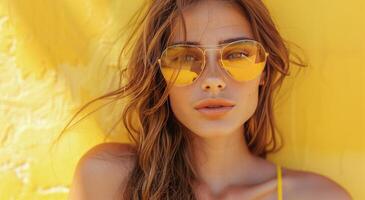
303 185
102 172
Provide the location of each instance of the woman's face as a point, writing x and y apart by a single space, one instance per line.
207 23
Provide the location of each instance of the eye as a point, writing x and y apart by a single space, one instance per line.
236 55
189 58
183 58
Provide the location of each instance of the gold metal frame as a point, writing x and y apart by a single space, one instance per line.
204 48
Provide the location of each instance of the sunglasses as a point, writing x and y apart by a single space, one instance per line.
243 60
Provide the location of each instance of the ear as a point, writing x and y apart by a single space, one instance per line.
262 78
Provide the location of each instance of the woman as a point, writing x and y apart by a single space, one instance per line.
201 78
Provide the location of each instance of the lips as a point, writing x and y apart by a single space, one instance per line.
213 103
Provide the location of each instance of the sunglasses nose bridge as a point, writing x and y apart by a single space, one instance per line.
211 49
215 56
215 60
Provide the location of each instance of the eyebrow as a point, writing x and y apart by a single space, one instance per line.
220 42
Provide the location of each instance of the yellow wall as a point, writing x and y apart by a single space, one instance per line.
55 55
323 117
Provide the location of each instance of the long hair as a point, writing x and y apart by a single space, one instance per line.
164 167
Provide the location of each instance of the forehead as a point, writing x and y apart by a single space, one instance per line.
210 21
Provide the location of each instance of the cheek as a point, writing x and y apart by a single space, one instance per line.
179 102
247 96
174 103
250 100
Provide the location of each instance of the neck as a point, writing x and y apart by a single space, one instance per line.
222 161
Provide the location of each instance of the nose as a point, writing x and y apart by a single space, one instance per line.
213 78
213 84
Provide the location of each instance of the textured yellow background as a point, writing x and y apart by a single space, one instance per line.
56 55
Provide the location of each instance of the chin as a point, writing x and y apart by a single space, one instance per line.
212 132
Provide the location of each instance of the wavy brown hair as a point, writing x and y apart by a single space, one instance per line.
164 168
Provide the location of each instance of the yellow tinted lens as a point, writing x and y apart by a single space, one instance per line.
181 64
244 60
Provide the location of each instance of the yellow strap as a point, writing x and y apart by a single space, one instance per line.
280 197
